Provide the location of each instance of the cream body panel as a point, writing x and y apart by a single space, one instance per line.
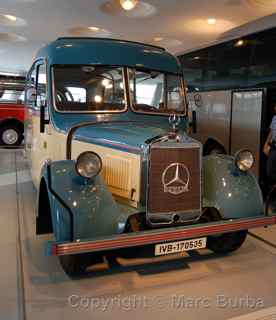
121 170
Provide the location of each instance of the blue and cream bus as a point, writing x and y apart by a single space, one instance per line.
232 90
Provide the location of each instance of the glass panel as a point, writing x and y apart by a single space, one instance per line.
30 95
11 96
262 70
153 91
41 86
227 65
89 89
193 69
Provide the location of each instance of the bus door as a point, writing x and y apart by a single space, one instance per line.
246 123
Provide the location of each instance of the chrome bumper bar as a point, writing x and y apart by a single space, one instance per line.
157 236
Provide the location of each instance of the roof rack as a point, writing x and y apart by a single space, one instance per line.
106 39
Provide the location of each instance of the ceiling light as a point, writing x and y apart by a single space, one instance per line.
98 99
211 21
158 39
239 43
94 28
10 17
128 4
105 82
196 58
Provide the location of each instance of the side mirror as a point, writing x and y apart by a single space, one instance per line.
43 119
30 95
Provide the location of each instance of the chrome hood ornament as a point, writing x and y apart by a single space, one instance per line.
174 121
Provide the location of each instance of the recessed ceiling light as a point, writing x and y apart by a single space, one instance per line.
98 99
115 8
94 28
211 21
158 39
10 17
10 20
239 43
89 31
128 4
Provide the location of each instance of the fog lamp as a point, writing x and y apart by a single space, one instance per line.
244 160
88 164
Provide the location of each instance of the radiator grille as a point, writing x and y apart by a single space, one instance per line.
174 180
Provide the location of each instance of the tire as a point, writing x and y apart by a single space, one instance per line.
227 243
224 243
214 148
11 136
74 265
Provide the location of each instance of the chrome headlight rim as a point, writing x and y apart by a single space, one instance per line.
238 159
78 160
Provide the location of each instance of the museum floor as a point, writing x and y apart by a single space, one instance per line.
195 286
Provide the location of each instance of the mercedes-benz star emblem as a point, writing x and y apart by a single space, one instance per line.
174 121
176 179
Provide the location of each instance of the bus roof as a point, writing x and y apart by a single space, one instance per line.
103 51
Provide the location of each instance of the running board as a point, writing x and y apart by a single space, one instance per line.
157 236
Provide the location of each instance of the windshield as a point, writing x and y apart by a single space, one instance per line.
89 89
156 92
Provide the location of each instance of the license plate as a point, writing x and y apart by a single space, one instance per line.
180 246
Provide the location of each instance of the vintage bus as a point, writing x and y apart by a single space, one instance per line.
106 136
11 110
232 91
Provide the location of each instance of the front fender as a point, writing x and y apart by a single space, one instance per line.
89 204
233 193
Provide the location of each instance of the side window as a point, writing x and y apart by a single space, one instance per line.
263 65
227 65
41 86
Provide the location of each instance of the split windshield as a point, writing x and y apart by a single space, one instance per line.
156 92
102 89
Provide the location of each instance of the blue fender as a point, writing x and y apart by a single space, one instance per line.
81 209
233 193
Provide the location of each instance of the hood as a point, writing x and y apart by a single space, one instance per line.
127 137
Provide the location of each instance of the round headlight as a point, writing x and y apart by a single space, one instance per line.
88 164
244 160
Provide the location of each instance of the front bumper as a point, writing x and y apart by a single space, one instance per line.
157 236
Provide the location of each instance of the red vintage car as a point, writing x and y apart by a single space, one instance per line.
12 111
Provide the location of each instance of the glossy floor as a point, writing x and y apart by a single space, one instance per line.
196 286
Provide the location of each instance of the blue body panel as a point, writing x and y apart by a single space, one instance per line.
108 52
130 136
233 193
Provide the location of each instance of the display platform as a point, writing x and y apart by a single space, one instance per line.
198 285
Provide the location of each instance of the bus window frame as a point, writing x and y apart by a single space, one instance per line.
126 93
184 113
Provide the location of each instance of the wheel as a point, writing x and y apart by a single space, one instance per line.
224 243
11 136
74 265
214 148
227 242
